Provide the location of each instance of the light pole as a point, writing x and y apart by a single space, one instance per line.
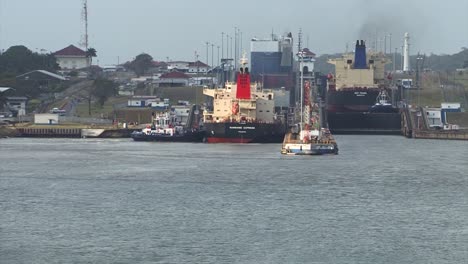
390 43
217 61
419 62
241 42
235 47
227 46
222 45
196 61
230 38
207 44
385 45
212 57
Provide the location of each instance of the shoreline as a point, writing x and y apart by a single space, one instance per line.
65 132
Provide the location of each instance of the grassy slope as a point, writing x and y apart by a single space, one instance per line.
192 94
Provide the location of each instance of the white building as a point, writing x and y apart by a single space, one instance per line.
173 79
46 119
198 67
141 101
433 117
71 58
181 66
17 105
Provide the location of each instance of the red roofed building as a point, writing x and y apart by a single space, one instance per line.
308 59
71 58
198 67
308 53
173 79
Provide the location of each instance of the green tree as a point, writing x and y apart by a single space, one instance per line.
2 100
90 53
18 60
141 64
101 90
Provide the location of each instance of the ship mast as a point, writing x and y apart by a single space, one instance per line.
300 54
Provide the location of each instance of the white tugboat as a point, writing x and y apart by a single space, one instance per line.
308 137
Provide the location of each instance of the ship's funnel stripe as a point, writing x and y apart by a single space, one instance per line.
243 85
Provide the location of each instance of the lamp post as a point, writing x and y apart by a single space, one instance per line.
207 44
230 38
212 60
217 60
419 60
222 45
235 47
227 46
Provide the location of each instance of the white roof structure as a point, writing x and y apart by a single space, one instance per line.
51 74
3 89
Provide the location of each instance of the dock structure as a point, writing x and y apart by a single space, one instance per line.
50 132
73 132
456 134
415 125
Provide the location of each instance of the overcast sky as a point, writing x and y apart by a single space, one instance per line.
122 29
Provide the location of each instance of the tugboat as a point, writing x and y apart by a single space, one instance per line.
165 129
308 137
242 112
383 105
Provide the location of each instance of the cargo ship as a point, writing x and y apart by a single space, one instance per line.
271 61
355 88
242 112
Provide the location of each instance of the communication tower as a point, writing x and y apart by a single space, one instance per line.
84 15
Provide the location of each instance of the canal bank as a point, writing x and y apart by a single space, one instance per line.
7 132
65 132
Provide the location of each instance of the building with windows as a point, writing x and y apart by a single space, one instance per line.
198 67
173 79
71 58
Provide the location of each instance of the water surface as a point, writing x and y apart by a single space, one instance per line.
383 199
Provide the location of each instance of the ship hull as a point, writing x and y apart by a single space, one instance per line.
231 132
353 100
364 123
197 136
350 112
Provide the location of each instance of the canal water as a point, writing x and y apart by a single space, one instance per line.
383 199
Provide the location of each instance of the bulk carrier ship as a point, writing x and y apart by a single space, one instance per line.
358 84
242 113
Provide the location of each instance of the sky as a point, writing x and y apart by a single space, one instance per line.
177 30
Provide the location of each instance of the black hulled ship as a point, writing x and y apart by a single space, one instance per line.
242 112
354 90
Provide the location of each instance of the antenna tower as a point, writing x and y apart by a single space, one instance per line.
84 14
